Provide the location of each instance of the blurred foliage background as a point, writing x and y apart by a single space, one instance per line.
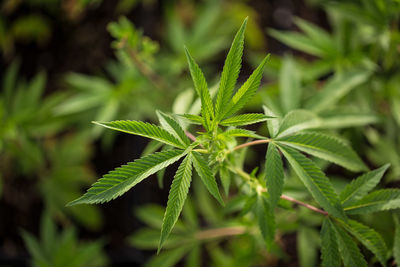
65 63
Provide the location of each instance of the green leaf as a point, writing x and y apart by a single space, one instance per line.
329 245
368 237
298 41
266 220
176 199
336 88
396 245
274 174
246 91
289 84
384 199
245 119
168 258
242 133
272 124
173 127
230 72
327 147
361 186
307 246
225 177
143 129
315 180
206 176
146 238
193 119
201 87
120 180
298 120
338 119
348 249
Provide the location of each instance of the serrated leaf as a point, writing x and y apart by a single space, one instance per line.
246 91
193 119
173 127
242 133
230 72
206 176
201 87
272 124
327 147
329 245
315 180
120 180
384 199
289 84
348 249
245 119
298 120
368 237
266 220
176 199
336 88
143 129
274 174
361 186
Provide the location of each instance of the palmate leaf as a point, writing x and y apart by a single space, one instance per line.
173 127
384 199
230 72
143 129
266 220
315 180
368 237
348 249
361 186
329 245
120 180
326 147
206 176
274 174
201 87
176 199
245 119
246 91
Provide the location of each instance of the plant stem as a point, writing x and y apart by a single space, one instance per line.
247 178
190 135
308 206
220 232
252 143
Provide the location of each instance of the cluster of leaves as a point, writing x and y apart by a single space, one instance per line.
54 249
214 152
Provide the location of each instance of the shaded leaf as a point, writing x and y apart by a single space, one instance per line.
274 174
329 245
384 199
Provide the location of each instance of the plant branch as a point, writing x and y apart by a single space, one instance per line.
190 135
252 143
220 232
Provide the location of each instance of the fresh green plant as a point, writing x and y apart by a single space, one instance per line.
215 152
62 249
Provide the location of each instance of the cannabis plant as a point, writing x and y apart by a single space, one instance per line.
216 151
